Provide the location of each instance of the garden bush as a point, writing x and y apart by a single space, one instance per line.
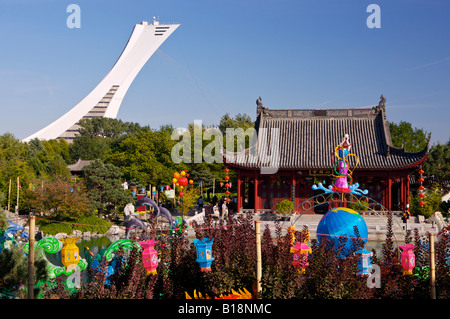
234 267
84 224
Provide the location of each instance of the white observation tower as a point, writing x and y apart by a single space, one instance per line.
106 97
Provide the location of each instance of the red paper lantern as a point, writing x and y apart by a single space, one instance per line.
421 187
421 172
422 203
226 178
227 200
180 194
422 195
421 180
183 181
227 192
226 170
227 185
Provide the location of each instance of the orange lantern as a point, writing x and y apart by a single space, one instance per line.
421 180
421 172
191 182
176 175
421 195
421 187
221 184
227 192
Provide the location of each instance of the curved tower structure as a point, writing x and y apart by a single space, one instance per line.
106 97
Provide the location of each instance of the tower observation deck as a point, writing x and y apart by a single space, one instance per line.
105 99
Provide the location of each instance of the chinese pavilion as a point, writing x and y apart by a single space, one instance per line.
307 137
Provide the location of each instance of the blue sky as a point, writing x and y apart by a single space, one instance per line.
225 54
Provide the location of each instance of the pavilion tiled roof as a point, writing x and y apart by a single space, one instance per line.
309 136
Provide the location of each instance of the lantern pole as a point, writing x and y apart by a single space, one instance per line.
258 259
31 258
432 269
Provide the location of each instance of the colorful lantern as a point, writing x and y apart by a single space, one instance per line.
149 256
204 253
183 181
300 258
408 259
364 262
70 254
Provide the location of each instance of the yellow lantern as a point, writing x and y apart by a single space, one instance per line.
70 253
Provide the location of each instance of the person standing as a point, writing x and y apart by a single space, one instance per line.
200 203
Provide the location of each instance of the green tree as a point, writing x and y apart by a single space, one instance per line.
104 187
239 121
14 271
49 158
59 198
438 162
106 127
189 200
89 148
145 157
13 164
404 135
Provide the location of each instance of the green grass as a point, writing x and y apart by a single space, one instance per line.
68 226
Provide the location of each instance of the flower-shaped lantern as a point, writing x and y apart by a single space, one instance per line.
204 253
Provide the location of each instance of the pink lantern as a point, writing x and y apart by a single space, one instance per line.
149 256
408 259
300 259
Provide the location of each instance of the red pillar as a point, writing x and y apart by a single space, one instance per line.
239 191
389 194
256 194
407 189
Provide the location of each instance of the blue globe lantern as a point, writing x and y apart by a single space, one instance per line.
340 222
204 253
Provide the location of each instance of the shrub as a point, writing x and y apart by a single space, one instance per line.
285 206
84 224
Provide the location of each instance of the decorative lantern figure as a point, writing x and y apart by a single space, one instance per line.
70 253
300 259
149 256
364 262
204 253
408 259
